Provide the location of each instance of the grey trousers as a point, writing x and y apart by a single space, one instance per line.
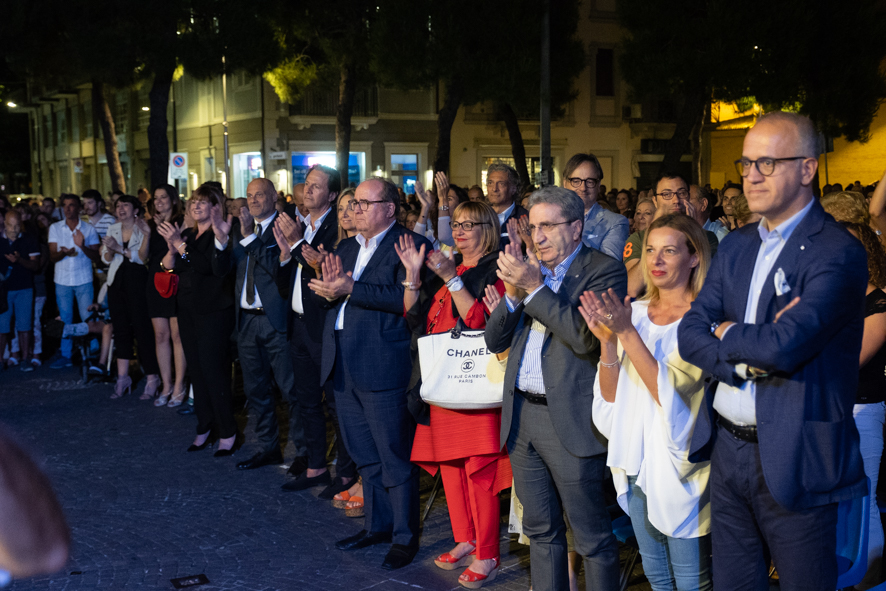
264 352
549 480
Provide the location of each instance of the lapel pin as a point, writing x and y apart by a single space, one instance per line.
802 247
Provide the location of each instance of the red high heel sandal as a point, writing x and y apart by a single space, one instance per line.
474 580
449 562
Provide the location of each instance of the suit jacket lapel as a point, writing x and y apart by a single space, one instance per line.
572 281
392 235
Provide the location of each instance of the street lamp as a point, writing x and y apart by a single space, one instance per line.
11 105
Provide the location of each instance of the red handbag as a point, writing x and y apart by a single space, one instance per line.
166 284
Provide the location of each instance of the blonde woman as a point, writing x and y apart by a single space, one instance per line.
646 400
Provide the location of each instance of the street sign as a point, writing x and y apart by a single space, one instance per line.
178 165
277 155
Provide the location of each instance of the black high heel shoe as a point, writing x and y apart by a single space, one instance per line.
224 453
209 441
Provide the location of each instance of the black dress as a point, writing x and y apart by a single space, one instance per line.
158 306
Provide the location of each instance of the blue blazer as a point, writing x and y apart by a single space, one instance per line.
375 341
808 440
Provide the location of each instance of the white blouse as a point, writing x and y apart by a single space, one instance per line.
650 441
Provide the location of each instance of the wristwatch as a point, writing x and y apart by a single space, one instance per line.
714 327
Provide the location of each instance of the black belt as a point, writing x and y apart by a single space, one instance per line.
253 311
744 432
533 398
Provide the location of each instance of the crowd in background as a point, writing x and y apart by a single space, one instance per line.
321 295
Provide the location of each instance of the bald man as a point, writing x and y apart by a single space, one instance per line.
261 324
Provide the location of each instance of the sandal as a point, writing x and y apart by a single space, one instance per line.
473 580
449 562
340 501
162 399
354 508
151 388
177 398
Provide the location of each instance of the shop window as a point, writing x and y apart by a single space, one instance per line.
303 161
247 167
404 171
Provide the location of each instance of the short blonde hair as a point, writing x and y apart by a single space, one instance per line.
696 242
847 206
480 211
741 211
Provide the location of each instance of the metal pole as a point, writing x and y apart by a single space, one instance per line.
547 172
225 125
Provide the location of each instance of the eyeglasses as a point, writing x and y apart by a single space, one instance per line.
669 195
466 226
765 166
576 182
546 227
363 204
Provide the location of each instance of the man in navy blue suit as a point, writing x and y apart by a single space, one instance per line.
366 347
779 326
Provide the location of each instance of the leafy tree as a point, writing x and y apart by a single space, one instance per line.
791 55
121 44
322 42
480 51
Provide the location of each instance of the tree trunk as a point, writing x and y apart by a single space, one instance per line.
158 141
506 112
343 113
101 112
697 138
691 115
445 119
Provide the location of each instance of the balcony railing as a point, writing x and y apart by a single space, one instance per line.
322 103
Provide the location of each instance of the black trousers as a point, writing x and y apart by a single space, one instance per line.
264 353
205 340
746 522
305 355
129 314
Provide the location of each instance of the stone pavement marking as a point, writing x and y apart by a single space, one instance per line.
143 511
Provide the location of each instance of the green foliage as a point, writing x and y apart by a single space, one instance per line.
291 77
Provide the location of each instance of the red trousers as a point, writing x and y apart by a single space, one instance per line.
475 513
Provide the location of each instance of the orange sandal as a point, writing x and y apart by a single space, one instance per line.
340 501
474 580
354 507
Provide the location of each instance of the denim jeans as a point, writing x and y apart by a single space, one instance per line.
64 298
869 419
669 563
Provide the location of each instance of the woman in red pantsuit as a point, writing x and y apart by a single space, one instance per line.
463 444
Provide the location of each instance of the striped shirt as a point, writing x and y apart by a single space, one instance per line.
529 377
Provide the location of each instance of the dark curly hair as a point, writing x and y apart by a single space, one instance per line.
875 250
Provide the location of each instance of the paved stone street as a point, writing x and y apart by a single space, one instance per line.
142 511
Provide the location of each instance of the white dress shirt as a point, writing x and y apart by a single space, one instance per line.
76 270
367 249
738 405
246 241
297 304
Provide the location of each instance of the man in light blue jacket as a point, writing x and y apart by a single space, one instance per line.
603 230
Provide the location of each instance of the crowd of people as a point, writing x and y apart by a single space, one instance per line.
718 355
